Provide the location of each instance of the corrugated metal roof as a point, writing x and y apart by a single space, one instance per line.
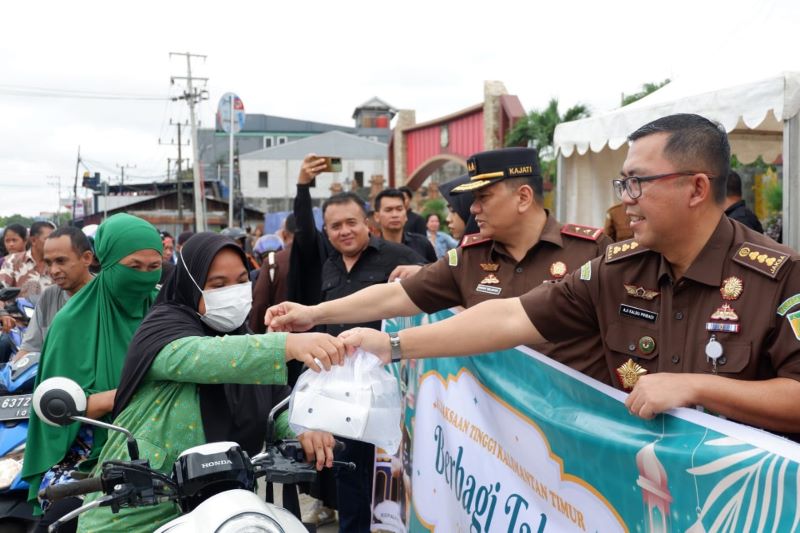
332 143
271 123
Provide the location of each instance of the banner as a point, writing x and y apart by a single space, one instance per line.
512 441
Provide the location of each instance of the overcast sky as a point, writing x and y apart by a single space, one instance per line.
319 60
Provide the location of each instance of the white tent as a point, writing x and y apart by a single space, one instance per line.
761 118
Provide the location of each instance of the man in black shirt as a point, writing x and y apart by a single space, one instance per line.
327 269
735 207
390 213
415 223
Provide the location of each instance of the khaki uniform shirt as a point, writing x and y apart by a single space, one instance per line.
482 269
742 291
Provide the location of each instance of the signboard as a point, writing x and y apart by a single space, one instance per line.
514 441
224 113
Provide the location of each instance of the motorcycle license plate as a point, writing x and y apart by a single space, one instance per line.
15 407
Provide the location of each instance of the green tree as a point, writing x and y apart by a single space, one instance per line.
647 88
537 129
16 219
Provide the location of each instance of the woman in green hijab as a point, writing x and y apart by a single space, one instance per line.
87 342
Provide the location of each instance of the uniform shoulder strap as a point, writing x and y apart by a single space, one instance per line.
589 233
761 259
473 239
623 249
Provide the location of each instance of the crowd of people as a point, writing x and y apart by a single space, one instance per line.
192 340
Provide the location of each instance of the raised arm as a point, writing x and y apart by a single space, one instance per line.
385 300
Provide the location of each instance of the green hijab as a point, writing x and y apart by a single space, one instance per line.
88 338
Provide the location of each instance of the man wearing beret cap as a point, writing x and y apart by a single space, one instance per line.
520 246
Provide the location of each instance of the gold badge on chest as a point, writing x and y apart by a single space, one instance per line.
731 288
558 269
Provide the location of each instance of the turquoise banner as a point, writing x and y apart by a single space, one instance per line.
512 441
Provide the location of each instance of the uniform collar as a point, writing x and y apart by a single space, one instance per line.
551 232
708 266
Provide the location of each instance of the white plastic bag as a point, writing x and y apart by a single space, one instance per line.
359 400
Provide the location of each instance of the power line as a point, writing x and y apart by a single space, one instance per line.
43 92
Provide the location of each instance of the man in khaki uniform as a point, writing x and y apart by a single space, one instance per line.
520 246
696 310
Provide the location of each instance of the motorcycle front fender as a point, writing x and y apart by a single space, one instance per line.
212 513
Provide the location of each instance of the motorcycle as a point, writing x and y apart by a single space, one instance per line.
16 384
213 484
21 310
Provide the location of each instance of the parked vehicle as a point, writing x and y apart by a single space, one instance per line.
213 484
16 385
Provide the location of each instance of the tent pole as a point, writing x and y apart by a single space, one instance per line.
561 192
791 182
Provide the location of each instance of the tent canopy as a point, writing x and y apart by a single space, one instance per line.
592 150
743 106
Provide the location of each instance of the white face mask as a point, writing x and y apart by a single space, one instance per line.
226 307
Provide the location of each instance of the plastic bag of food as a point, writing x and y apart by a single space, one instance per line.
359 400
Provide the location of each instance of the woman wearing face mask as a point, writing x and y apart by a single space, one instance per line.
87 342
177 388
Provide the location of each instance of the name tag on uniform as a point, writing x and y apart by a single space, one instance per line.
489 289
637 313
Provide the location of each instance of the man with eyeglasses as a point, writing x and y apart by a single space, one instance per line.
695 310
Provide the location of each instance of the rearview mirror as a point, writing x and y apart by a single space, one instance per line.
58 400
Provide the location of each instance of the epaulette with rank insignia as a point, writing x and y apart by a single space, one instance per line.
582 232
623 249
760 258
473 239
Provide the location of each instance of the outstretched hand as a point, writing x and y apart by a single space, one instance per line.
289 317
369 340
313 348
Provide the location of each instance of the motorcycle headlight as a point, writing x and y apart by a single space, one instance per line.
10 467
250 523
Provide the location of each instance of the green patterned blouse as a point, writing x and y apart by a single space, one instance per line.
164 414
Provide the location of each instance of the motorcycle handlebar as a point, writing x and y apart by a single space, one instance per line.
75 488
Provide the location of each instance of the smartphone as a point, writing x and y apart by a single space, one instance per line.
332 164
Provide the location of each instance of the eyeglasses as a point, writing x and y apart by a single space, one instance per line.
633 184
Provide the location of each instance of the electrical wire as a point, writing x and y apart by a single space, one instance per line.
43 92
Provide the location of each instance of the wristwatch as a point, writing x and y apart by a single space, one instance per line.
394 342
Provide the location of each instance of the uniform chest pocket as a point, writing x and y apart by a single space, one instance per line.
735 359
632 340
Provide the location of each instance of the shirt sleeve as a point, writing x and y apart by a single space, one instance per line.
783 347
7 272
33 339
435 287
568 309
306 237
244 359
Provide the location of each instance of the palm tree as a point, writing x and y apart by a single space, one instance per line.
537 128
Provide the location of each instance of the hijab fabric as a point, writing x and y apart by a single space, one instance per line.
89 336
229 411
460 203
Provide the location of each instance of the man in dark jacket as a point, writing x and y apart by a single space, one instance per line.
390 213
735 207
415 223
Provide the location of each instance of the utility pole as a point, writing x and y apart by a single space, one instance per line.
179 172
192 97
122 179
75 185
